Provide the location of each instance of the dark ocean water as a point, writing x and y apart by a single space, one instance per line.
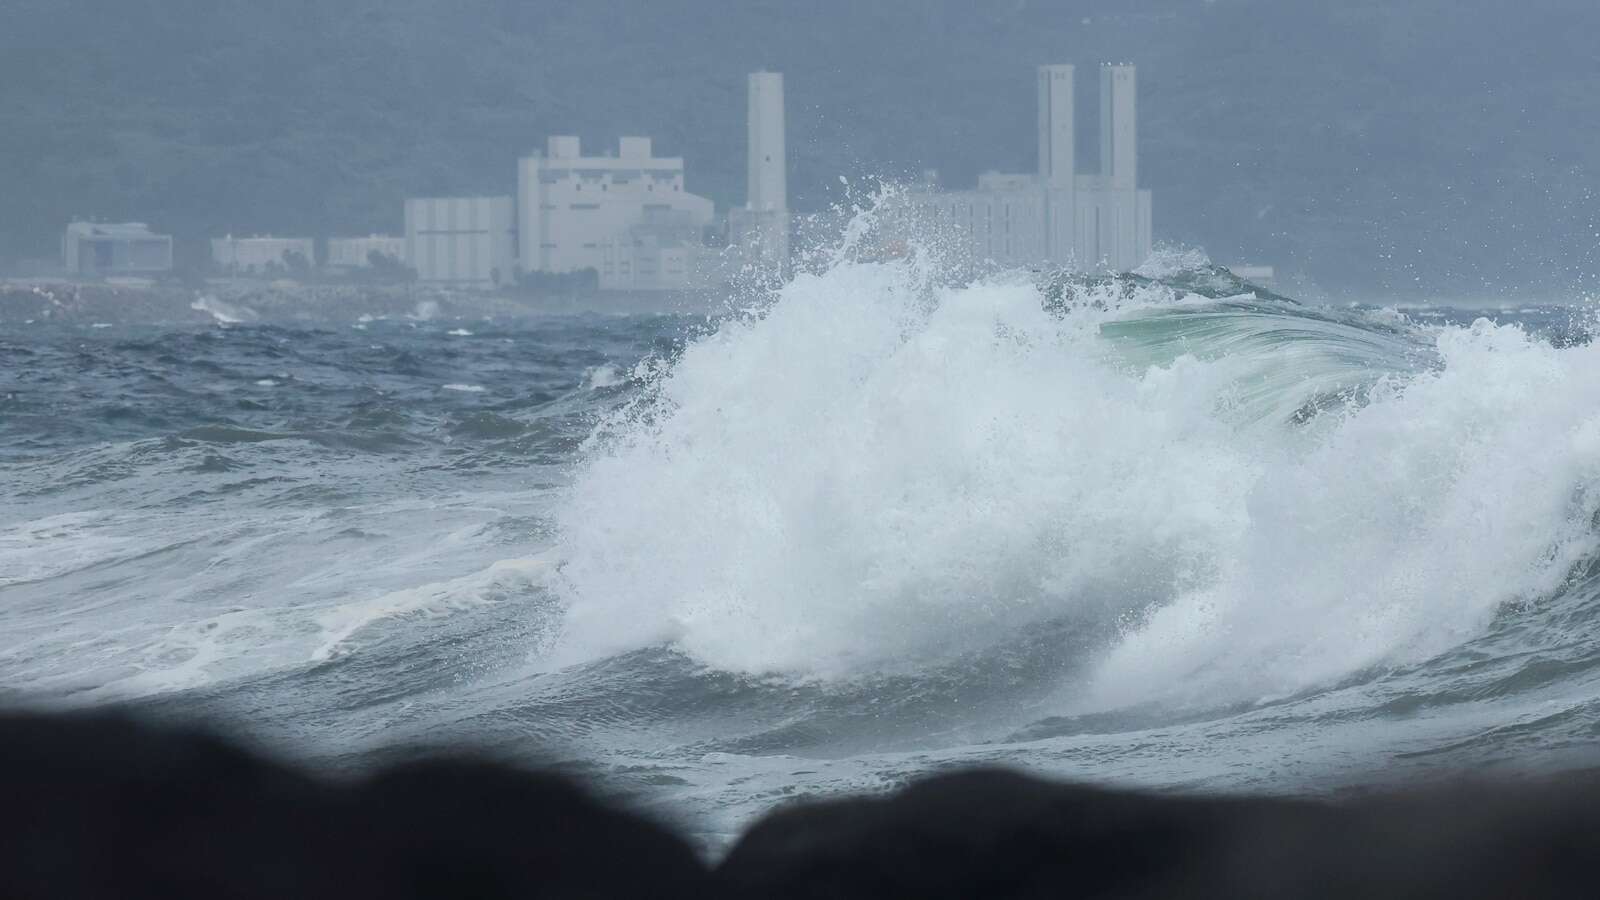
1147 536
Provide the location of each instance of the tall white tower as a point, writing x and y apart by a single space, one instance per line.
1119 126
767 196
1118 220
1058 161
768 183
1057 142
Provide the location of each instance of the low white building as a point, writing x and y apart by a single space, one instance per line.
467 242
577 212
356 252
655 257
1002 220
103 250
257 255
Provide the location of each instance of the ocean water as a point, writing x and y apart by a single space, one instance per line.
1165 531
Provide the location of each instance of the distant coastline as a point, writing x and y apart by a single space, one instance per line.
261 302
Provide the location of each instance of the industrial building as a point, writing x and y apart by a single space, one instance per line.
760 229
467 242
356 252
654 257
257 255
127 249
627 216
1057 216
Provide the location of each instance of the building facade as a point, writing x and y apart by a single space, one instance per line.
655 258
466 242
128 249
256 255
1057 216
612 214
356 252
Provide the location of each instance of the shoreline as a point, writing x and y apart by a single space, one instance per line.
239 302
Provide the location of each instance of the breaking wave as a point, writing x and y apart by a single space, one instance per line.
1209 494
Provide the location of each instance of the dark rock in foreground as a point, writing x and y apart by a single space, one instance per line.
100 806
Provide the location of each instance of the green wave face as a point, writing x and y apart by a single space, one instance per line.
1292 362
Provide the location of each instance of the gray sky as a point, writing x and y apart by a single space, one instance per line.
1376 148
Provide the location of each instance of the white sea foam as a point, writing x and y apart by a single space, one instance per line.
877 469
1166 262
224 313
1397 535
603 377
465 388
46 548
876 473
430 601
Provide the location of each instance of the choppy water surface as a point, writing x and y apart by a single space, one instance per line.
1156 533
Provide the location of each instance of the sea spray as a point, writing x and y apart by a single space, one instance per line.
1397 535
907 519
877 471
880 473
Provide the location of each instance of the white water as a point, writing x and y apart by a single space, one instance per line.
877 474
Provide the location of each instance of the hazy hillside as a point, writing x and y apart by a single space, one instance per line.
1431 145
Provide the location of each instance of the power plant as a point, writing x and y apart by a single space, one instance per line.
626 219
624 216
1057 216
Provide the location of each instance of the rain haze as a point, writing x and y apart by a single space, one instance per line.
729 404
1366 149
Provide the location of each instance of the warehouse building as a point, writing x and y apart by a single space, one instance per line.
465 242
262 255
103 250
577 212
357 252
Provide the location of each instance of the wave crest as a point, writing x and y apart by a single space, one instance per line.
878 473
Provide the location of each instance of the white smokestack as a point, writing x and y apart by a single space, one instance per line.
1119 126
769 185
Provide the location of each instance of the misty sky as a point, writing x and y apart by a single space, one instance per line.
1368 148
